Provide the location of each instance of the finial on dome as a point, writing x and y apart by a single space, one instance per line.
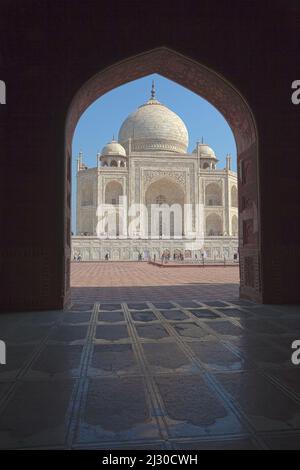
153 91
202 142
113 137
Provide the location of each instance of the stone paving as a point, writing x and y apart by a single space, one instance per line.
127 281
196 373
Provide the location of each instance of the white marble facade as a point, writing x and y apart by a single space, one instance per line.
149 167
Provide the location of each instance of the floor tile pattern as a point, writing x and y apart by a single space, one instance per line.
193 373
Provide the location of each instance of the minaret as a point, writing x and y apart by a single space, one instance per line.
98 159
79 160
228 162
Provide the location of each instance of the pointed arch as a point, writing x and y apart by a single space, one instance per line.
222 94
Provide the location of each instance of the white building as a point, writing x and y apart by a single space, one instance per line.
149 169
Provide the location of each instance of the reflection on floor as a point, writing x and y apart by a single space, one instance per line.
151 375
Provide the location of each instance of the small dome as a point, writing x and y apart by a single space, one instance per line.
155 128
113 148
205 151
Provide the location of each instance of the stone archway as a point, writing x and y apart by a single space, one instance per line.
229 102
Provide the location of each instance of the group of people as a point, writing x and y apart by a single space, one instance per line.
178 256
165 257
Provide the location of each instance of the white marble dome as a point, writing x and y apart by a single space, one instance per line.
113 148
205 151
154 128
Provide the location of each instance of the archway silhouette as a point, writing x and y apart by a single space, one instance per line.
229 102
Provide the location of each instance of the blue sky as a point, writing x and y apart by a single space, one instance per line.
104 118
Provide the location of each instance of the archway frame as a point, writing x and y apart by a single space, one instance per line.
213 87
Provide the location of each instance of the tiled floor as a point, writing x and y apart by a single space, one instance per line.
190 374
151 358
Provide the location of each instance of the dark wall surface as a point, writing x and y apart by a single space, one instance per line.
49 49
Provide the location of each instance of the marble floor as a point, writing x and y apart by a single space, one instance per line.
160 374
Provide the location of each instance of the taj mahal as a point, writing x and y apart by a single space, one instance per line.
147 195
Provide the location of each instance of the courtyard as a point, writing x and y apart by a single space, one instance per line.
151 358
127 281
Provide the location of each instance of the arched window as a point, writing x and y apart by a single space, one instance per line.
213 194
205 166
234 196
113 163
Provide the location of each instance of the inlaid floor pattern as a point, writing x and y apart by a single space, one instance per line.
191 374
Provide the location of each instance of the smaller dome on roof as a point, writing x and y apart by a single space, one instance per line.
113 148
205 151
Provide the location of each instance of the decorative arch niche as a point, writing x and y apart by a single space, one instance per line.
166 191
234 226
234 196
214 225
229 102
213 194
113 192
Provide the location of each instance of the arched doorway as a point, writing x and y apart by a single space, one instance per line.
226 98
167 198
